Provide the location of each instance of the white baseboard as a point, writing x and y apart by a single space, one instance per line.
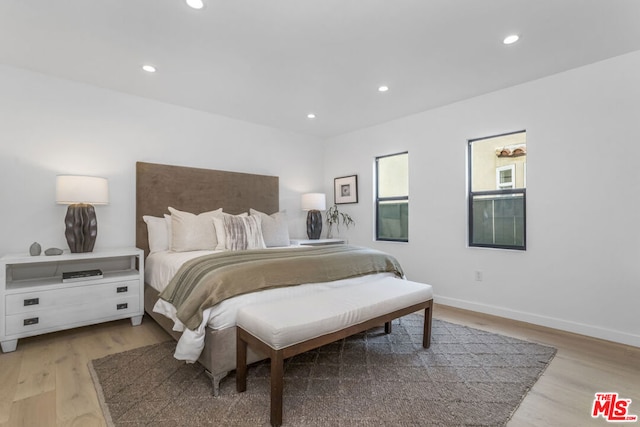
549 322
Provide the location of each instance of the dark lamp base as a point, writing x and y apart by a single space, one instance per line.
81 227
314 224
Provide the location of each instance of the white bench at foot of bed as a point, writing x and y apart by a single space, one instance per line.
285 328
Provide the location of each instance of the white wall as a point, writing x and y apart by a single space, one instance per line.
50 126
581 269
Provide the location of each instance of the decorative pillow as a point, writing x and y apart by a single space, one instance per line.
275 229
167 219
190 232
158 233
241 232
221 235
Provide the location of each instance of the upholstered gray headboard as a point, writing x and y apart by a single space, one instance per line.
199 190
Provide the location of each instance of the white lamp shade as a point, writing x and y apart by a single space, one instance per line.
72 189
314 202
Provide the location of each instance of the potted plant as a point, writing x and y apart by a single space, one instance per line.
335 217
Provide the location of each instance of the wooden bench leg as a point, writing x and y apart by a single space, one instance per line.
277 384
241 363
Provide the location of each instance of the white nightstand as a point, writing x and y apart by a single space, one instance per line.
34 300
316 242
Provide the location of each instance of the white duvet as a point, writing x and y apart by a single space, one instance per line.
160 267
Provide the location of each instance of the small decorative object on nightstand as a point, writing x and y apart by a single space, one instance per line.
314 203
35 249
81 193
35 298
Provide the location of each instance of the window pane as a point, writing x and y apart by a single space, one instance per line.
393 220
506 154
393 176
392 197
498 220
505 176
497 195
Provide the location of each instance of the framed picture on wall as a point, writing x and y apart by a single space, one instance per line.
345 190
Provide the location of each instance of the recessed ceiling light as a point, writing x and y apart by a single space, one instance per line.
196 4
311 116
149 68
383 88
511 39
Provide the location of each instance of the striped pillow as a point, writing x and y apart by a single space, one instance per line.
243 232
221 235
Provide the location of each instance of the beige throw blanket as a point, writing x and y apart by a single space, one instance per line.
205 281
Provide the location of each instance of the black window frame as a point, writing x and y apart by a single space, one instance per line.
472 194
379 199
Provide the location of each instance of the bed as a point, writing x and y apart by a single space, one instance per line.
196 191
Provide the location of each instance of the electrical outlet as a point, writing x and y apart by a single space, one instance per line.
478 275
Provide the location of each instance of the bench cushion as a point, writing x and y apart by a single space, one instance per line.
291 321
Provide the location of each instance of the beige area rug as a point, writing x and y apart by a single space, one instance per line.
467 377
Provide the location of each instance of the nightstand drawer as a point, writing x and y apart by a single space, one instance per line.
82 294
75 315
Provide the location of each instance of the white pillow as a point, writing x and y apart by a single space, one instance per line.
190 232
241 232
275 229
167 219
158 233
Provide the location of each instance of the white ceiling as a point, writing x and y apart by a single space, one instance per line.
273 61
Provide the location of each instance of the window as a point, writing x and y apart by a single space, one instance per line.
504 177
497 191
392 197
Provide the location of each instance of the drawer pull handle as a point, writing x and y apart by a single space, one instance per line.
122 306
31 301
32 321
122 289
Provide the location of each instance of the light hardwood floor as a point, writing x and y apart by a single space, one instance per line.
46 381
